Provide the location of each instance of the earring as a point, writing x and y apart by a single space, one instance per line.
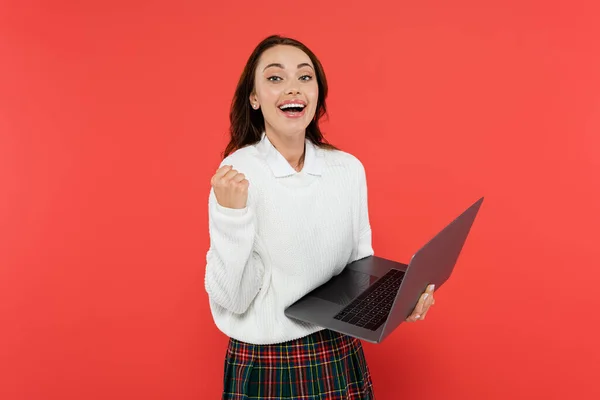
255 106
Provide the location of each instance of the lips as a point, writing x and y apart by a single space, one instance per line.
292 108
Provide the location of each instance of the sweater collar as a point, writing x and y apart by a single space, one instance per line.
281 167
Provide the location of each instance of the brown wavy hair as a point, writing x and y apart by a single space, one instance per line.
247 124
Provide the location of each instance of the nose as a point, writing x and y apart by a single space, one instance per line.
293 90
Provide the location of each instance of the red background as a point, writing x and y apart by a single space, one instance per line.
112 119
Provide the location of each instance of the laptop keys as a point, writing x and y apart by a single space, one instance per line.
371 308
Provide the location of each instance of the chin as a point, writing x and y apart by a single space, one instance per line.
293 129
290 128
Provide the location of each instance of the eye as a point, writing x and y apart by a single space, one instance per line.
274 78
306 77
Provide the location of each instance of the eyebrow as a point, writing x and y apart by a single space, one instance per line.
282 67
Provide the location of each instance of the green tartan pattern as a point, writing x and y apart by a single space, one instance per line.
325 366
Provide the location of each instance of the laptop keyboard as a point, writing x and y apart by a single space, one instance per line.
371 308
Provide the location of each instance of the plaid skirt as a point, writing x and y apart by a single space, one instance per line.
324 365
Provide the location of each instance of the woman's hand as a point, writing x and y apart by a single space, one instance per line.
231 187
425 301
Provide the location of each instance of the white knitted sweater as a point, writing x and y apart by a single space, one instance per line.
297 231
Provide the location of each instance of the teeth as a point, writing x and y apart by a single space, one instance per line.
291 105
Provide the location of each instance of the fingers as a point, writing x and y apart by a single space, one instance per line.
226 174
222 171
230 174
219 174
419 308
429 301
230 187
430 289
426 300
237 178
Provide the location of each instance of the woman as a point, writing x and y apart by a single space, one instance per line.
287 211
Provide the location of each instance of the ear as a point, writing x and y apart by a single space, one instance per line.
254 101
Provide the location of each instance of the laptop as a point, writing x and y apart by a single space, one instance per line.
372 296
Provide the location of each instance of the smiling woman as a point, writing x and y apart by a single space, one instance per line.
287 212
287 92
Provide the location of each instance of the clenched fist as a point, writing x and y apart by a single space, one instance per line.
231 187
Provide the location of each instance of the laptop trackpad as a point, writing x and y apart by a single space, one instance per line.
344 288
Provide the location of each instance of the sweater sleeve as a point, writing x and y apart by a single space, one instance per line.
233 275
365 247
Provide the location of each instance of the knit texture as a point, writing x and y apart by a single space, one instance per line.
295 234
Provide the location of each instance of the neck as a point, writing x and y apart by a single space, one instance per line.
291 147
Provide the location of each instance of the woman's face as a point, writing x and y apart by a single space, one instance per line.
286 90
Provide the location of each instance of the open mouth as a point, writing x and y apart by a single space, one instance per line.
292 108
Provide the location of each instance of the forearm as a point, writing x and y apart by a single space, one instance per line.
233 275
